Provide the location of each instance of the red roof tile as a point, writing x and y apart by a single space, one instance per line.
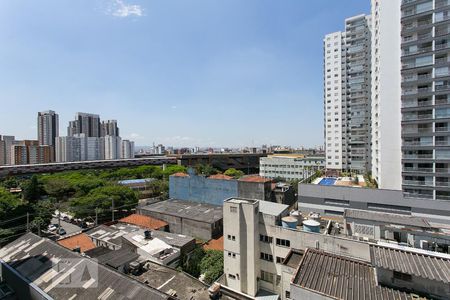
215 244
180 174
255 178
144 221
220 176
81 240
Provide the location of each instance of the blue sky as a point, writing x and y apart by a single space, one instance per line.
177 72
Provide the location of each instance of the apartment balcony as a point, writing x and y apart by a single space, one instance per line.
443 184
418 25
418 156
415 77
442 129
415 170
442 87
418 183
442 101
442 143
442 46
417 131
416 117
442 3
415 103
441 61
417 51
417 144
442 170
418 195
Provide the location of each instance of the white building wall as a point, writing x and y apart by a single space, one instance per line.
289 168
333 100
386 94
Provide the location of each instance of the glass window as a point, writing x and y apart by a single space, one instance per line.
424 60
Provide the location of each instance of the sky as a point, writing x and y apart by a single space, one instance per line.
202 73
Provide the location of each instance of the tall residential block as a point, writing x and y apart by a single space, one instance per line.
347 95
48 127
109 127
112 147
386 94
127 149
30 152
425 63
88 124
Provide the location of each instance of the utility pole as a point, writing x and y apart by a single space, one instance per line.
59 218
112 209
96 216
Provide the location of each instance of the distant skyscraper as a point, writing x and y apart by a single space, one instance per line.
112 147
2 152
86 123
109 127
8 141
127 149
347 96
30 152
48 127
67 149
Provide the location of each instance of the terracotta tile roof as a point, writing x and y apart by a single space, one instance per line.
81 240
180 174
215 244
220 176
255 178
144 221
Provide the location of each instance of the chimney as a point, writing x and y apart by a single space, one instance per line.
148 235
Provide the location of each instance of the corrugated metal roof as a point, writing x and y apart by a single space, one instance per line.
410 262
341 278
64 274
386 218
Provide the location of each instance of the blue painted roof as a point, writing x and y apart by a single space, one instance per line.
136 181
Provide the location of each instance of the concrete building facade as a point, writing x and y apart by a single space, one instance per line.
48 127
86 123
127 149
290 167
425 72
347 58
109 127
386 94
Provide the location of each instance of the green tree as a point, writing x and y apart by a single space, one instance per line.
234 173
191 263
31 190
159 188
59 188
206 170
211 265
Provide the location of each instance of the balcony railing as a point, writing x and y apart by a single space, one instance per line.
442 87
417 130
418 196
406 104
442 46
441 129
423 170
443 183
442 143
441 61
442 197
418 182
417 117
443 170
423 144
418 156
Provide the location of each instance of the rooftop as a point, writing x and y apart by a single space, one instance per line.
180 174
293 258
146 222
340 277
43 262
173 239
272 208
136 181
170 281
255 178
107 233
221 176
386 218
214 244
113 258
415 262
202 212
81 240
152 248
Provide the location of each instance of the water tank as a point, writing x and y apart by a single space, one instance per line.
289 222
148 234
296 214
311 226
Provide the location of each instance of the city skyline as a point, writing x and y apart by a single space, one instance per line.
256 59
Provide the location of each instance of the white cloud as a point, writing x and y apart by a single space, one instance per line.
135 136
118 8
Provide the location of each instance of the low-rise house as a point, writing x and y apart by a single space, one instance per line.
38 268
117 259
145 222
79 242
200 220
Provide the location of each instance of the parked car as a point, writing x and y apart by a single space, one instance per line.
52 227
61 231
